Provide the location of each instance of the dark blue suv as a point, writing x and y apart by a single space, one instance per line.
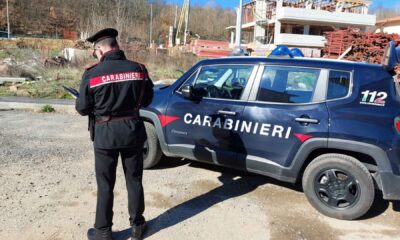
333 125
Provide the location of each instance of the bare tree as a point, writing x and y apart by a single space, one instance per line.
130 17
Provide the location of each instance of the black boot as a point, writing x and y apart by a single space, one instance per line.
99 234
137 231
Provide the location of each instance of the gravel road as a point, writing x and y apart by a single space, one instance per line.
48 192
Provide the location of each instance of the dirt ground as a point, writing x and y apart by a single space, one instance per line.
48 192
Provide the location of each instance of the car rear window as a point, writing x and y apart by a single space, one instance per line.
338 85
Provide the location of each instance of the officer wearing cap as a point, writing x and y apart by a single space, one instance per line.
111 94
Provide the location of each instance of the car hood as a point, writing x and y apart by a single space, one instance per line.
160 86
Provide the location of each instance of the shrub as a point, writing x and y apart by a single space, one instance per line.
47 109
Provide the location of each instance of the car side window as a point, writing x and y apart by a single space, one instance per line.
222 81
338 85
288 84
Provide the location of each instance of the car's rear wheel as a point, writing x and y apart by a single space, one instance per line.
151 151
339 186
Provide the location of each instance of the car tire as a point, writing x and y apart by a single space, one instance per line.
339 186
152 151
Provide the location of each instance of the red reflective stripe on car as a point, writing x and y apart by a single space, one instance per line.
397 124
117 77
165 119
302 137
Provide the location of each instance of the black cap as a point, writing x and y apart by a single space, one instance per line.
103 34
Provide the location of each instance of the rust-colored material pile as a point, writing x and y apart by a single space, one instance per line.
365 47
210 49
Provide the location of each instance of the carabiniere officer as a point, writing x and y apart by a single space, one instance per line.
111 94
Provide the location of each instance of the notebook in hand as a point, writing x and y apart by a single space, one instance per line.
71 91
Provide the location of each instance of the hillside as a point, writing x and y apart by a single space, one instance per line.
51 18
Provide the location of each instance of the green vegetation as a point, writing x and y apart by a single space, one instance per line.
47 82
164 73
48 86
18 54
47 109
54 52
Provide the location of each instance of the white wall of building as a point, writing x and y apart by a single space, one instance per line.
325 17
300 40
391 28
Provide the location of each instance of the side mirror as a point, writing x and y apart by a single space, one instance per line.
187 92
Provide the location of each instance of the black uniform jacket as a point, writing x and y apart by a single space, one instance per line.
114 87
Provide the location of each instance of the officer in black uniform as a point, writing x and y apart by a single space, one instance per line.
111 94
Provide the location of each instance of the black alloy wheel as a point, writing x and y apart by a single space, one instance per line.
337 188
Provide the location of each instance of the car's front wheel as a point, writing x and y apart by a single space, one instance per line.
339 186
152 151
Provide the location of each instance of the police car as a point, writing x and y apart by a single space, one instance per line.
333 125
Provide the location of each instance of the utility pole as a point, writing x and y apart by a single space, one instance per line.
8 22
151 24
176 15
186 23
239 24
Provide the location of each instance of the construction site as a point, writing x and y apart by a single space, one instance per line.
320 28
301 23
338 29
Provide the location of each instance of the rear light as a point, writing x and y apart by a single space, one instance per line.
397 124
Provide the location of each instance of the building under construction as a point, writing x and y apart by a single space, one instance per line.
299 23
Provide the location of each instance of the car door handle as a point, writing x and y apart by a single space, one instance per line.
307 120
223 112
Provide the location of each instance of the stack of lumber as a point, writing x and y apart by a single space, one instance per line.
365 47
210 49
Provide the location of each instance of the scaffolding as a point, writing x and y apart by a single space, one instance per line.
184 18
271 22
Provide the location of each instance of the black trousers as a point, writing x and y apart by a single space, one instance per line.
106 161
